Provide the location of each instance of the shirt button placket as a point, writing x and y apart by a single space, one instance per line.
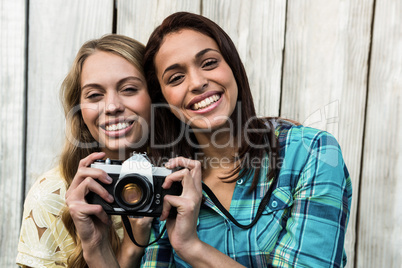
230 246
227 224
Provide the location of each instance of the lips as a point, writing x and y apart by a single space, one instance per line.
117 128
205 102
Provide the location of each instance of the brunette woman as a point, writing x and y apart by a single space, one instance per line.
271 194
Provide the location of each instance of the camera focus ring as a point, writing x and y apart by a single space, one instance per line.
133 192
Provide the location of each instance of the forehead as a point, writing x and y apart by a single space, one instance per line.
99 57
184 33
106 63
183 44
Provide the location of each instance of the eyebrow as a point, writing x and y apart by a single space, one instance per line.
197 56
124 80
119 83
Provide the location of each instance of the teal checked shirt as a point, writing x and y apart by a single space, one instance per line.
304 223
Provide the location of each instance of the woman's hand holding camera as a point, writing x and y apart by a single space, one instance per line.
182 229
91 221
93 224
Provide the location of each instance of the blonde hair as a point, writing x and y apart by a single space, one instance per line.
79 141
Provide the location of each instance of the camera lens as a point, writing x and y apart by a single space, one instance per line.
131 193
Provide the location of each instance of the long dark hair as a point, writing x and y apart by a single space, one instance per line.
167 127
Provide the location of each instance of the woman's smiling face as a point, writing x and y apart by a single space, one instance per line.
115 104
195 79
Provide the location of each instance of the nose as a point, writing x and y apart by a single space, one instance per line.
113 104
197 81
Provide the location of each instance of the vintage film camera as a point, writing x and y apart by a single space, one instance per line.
136 187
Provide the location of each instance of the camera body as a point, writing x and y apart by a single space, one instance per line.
136 187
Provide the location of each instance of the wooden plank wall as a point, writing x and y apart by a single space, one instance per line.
334 65
12 124
379 232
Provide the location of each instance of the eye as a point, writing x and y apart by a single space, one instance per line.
175 79
209 64
130 89
94 96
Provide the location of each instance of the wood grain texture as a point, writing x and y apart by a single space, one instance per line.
324 79
137 18
12 124
257 29
57 29
380 213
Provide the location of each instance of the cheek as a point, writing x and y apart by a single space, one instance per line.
228 78
173 96
90 118
166 94
89 114
176 106
174 100
145 112
141 106
231 86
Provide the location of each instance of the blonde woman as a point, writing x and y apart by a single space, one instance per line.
107 108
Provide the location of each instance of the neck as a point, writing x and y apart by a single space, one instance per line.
219 150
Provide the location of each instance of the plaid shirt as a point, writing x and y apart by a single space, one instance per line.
304 223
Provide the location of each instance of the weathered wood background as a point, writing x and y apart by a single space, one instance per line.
334 65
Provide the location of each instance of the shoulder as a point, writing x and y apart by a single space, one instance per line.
311 156
44 240
303 146
306 138
48 192
300 142
53 175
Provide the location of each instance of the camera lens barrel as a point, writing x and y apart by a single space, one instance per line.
133 192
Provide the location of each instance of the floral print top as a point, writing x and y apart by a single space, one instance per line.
44 240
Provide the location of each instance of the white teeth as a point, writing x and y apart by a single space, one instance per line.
206 102
116 127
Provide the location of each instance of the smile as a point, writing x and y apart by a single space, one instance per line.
206 102
117 127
